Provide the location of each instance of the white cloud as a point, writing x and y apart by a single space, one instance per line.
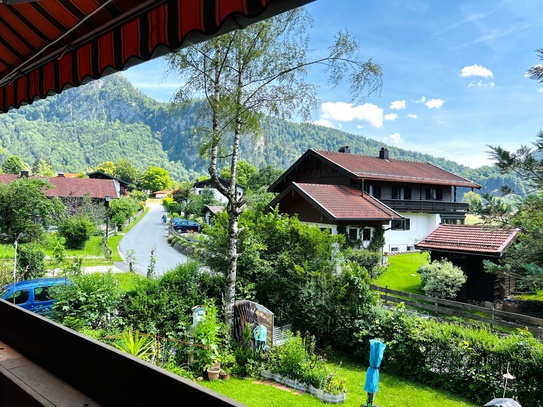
412 116
391 116
481 84
394 138
324 123
476 70
346 112
540 90
397 105
422 99
434 103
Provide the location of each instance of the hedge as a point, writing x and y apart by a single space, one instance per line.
469 361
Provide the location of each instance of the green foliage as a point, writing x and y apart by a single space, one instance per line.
30 262
126 170
14 165
77 230
25 209
107 167
207 338
120 210
377 240
162 306
155 179
88 302
139 196
371 261
451 357
140 346
196 204
42 167
244 353
441 279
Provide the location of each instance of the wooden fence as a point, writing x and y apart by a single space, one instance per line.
491 316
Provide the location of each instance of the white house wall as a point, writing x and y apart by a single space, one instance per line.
421 224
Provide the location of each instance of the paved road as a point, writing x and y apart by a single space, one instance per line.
148 233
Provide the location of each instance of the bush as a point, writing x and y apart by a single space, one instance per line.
441 279
88 302
76 230
451 357
371 261
30 262
120 210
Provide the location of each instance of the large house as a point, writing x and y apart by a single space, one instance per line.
352 194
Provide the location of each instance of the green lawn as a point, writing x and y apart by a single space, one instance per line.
392 392
401 273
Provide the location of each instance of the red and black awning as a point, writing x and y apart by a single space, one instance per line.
49 45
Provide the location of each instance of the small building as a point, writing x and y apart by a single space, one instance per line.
120 185
466 246
210 211
200 186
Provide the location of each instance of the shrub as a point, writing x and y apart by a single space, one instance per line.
76 230
371 261
30 262
441 279
451 357
88 302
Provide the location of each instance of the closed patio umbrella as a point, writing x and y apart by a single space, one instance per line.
377 350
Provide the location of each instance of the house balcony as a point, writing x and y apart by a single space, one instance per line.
436 207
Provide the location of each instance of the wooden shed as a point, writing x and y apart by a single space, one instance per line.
466 246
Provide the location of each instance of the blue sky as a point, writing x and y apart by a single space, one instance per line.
454 74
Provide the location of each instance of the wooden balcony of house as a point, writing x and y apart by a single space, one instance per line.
43 363
424 206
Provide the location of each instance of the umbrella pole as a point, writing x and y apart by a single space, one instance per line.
369 400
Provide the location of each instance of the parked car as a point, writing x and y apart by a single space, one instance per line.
33 295
184 226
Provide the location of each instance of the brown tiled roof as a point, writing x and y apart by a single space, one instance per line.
375 168
479 239
346 203
73 187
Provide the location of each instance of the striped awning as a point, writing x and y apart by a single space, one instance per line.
50 45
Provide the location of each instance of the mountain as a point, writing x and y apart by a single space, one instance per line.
108 119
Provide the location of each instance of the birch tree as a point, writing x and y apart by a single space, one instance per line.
252 72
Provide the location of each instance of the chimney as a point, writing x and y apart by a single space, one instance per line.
383 153
345 150
24 173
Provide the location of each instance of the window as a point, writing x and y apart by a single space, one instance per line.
41 294
401 224
393 249
452 221
366 234
401 193
434 194
20 296
353 234
373 190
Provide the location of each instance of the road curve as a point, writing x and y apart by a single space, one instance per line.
150 232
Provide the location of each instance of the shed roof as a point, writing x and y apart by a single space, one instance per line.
476 239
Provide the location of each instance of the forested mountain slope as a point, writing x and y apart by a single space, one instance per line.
108 119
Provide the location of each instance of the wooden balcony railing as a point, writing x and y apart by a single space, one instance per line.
443 207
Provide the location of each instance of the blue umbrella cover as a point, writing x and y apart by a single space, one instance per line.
377 350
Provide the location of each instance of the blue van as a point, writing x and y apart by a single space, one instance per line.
32 295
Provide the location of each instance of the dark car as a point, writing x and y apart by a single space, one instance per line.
184 226
33 295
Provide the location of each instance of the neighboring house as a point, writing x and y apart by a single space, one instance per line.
466 246
65 188
210 211
160 194
120 185
355 193
200 186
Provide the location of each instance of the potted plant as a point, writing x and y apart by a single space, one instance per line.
206 340
228 362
